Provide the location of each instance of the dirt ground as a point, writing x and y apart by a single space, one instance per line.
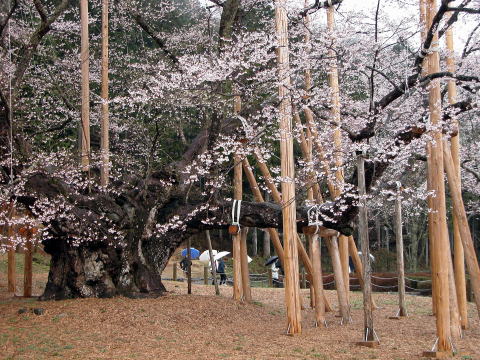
203 326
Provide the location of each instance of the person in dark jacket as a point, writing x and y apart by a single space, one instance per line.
221 271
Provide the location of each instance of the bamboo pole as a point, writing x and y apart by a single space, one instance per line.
369 331
212 262
438 216
85 87
247 292
237 195
459 257
400 263
465 235
104 139
27 269
292 292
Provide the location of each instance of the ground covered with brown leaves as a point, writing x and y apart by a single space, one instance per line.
204 326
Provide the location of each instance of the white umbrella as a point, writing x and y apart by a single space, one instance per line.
221 254
205 257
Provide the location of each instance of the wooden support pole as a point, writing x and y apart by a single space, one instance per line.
292 288
237 267
85 87
174 272
459 256
438 210
212 262
455 325
465 235
104 126
189 267
27 269
400 263
247 292
369 334
12 278
339 280
317 280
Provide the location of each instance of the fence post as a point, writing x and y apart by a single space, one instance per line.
174 271
270 277
205 275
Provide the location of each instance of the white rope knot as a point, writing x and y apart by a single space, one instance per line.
236 207
313 215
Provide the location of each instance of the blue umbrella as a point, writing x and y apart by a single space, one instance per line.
194 253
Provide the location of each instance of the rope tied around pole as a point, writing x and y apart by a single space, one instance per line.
234 228
313 214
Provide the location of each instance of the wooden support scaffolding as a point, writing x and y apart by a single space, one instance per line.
369 336
438 229
292 289
247 292
104 125
402 305
459 256
465 234
85 88
237 267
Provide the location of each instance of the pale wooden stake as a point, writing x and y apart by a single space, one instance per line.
27 270
292 291
237 267
465 235
189 268
400 263
369 331
85 87
12 278
212 262
247 292
317 281
438 210
459 257
339 280
104 139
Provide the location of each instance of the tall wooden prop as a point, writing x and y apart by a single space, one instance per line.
369 335
332 244
189 268
400 263
237 238
247 292
337 138
465 235
438 229
212 262
85 87
292 289
12 277
27 270
459 256
104 139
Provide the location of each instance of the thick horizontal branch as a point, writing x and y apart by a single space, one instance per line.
161 44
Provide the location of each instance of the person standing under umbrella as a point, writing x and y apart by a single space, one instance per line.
221 271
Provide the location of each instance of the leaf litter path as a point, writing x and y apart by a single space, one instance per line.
202 326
